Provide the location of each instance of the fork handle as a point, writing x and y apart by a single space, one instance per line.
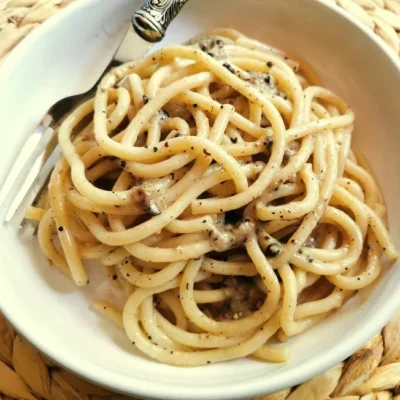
153 18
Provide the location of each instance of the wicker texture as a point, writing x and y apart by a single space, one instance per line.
372 373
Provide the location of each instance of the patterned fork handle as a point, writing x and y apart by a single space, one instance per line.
153 19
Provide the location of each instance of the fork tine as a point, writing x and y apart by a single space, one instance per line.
27 177
35 190
39 146
23 171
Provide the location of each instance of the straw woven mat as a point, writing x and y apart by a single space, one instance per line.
372 373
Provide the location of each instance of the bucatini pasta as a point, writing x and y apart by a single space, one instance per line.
216 185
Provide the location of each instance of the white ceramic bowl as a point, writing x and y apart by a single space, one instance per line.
55 316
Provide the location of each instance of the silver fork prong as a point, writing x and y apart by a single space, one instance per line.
23 171
28 165
28 185
35 190
124 82
31 168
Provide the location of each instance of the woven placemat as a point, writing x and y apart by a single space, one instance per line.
372 373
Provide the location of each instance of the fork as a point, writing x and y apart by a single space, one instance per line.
31 170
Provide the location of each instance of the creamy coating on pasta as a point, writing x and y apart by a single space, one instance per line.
216 185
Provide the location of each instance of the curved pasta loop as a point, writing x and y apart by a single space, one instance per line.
216 186
297 208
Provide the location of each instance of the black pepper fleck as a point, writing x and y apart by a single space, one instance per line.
229 67
272 250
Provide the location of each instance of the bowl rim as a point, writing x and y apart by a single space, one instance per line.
228 391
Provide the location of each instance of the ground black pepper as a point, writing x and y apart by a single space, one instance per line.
229 67
272 250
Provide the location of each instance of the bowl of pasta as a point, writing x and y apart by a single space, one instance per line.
222 224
